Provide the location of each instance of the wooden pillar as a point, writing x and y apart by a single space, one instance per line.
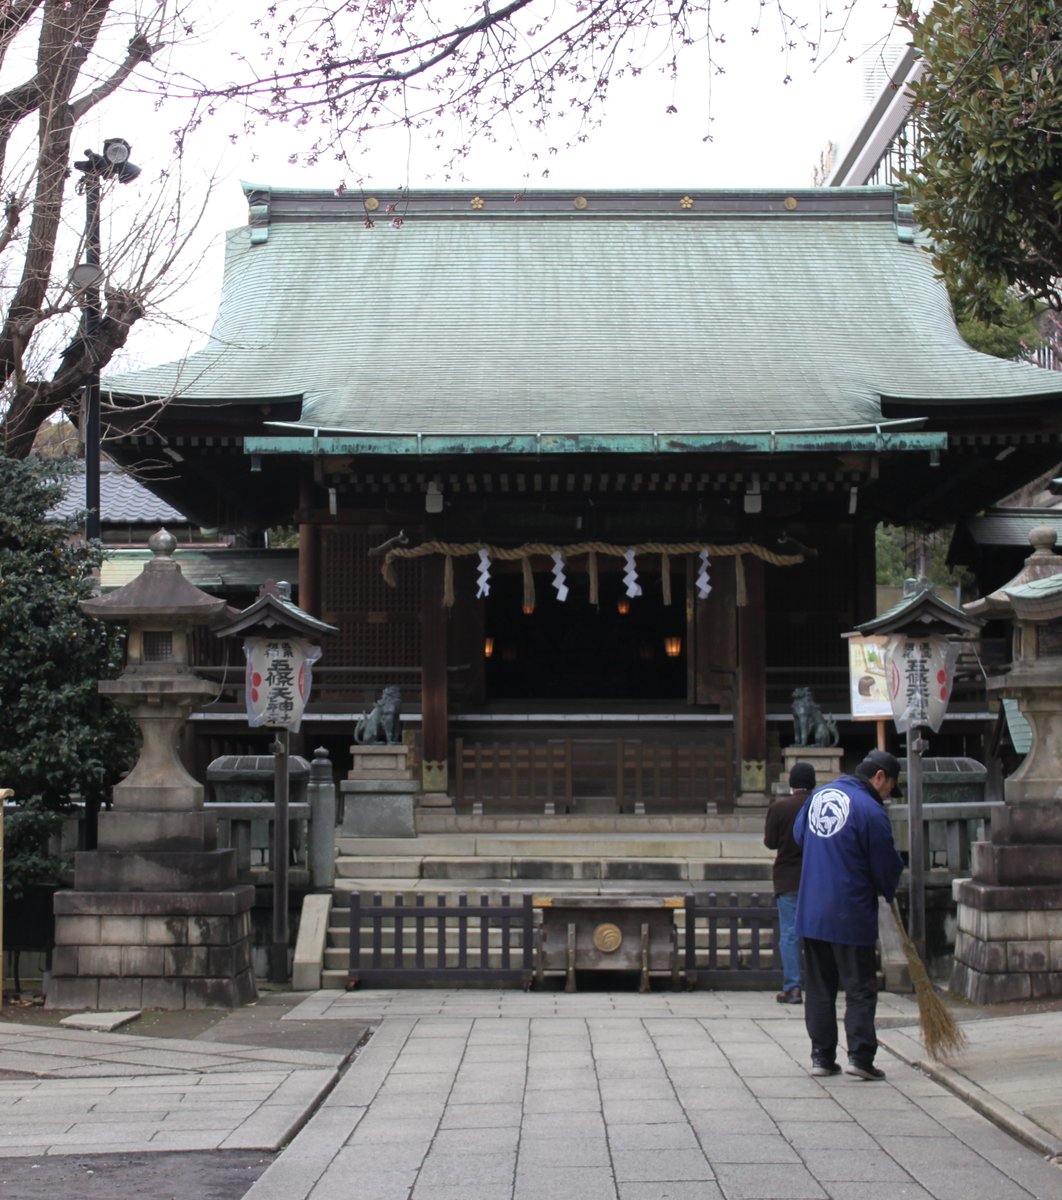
693 647
309 547
714 640
713 655
863 565
468 623
752 680
434 700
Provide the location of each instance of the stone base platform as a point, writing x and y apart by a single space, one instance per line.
169 950
374 808
827 760
380 761
1009 942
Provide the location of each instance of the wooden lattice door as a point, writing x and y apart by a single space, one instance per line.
379 639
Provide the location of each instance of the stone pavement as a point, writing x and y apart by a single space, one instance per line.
484 1095
64 1091
1011 1070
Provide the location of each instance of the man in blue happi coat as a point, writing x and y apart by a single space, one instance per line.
849 860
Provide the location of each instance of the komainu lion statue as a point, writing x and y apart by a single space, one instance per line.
811 727
381 725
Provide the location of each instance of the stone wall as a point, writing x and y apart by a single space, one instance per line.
152 950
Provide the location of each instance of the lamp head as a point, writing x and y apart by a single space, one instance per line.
116 151
113 163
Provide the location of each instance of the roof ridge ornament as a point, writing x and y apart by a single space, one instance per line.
258 212
905 223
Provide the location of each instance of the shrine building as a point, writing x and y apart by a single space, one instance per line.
594 478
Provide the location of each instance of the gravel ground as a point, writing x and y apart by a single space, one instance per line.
206 1175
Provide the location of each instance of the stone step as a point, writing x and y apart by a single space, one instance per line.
438 821
561 845
494 889
682 870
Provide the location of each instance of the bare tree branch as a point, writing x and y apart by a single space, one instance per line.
140 51
14 16
35 378
355 68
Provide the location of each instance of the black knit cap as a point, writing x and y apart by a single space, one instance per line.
802 775
881 760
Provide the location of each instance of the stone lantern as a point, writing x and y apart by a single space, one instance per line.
155 918
1010 912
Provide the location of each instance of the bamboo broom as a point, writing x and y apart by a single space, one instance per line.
941 1034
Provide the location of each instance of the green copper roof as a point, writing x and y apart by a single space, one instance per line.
632 314
921 612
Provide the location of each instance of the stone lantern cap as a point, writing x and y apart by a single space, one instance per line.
922 613
275 613
1042 565
159 592
1037 600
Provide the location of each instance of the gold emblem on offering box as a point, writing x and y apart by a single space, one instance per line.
607 937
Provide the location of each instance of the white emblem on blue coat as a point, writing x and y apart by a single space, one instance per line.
828 812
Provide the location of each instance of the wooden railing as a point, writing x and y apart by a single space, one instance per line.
672 776
484 943
742 943
533 776
640 776
724 941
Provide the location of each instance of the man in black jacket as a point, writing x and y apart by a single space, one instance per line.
778 835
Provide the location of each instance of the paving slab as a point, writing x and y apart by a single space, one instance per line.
670 1096
1010 1071
551 1096
259 1112
100 1022
86 1092
44 1051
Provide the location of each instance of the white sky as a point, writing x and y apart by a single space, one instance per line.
765 133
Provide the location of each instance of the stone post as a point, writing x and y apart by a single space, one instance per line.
322 798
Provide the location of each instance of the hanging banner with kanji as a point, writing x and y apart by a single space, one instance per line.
278 680
920 673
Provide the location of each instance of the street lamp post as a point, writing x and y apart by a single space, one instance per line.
87 276
280 646
921 635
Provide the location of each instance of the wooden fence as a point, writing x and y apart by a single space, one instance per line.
741 950
673 777
533 776
552 776
504 931
727 942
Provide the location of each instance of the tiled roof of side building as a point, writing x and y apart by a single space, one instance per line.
635 313
123 500
1011 527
